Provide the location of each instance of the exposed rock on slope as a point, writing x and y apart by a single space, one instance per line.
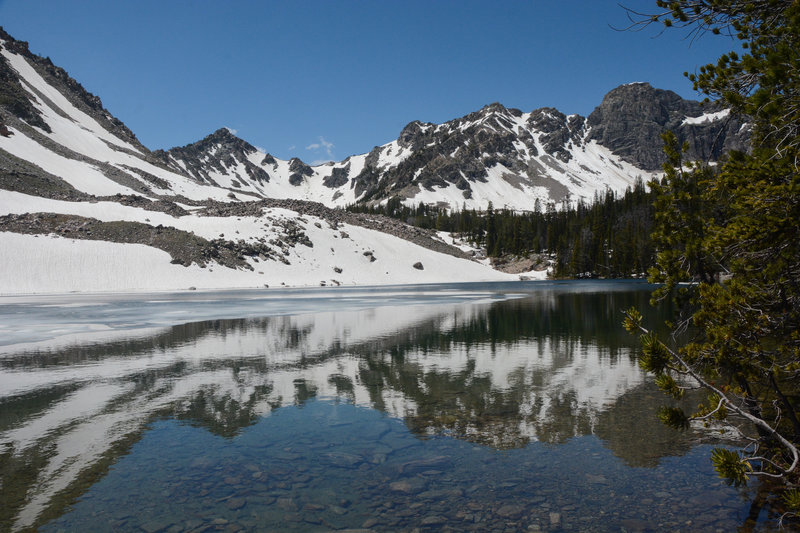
18 103
496 154
77 188
335 217
216 153
63 138
632 117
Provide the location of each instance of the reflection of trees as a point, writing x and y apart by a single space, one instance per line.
222 415
461 401
633 431
465 403
484 373
590 318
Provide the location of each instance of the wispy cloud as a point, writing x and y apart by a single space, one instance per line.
233 131
322 146
292 147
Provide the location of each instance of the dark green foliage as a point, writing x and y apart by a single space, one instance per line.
729 237
674 417
731 466
792 499
654 358
609 238
668 384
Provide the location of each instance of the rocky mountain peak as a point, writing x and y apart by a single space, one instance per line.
494 107
640 101
216 151
227 141
632 117
414 134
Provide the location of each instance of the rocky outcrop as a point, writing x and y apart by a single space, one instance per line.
184 248
298 171
337 178
14 99
632 117
218 151
335 217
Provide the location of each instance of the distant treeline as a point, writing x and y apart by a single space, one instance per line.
608 238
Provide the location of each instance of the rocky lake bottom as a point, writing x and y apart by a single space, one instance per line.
491 407
332 467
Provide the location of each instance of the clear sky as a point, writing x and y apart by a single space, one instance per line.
324 79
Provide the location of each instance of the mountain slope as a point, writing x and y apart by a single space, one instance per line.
85 206
499 155
59 138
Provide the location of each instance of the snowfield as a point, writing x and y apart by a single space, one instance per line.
50 264
97 159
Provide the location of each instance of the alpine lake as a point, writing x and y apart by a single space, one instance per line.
466 407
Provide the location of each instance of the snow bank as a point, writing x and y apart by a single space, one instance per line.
706 118
49 264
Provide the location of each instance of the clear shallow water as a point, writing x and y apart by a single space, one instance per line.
507 407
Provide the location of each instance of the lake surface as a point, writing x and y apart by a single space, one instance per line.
465 407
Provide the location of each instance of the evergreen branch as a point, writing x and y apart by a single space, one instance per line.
727 402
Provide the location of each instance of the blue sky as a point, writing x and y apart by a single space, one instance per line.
325 79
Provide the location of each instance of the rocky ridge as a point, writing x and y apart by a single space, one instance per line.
59 146
543 154
503 155
18 104
186 248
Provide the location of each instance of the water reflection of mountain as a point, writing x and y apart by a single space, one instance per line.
547 367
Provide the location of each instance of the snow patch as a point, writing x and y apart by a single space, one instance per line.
706 118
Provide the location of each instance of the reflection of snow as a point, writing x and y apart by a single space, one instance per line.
50 322
545 370
246 368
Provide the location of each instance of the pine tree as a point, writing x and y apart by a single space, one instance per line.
729 244
492 248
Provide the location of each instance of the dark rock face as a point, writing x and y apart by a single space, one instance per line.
556 131
298 167
337 178
414 136
632 118
298 170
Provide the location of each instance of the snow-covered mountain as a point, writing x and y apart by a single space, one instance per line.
85 206
59 138
499 155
